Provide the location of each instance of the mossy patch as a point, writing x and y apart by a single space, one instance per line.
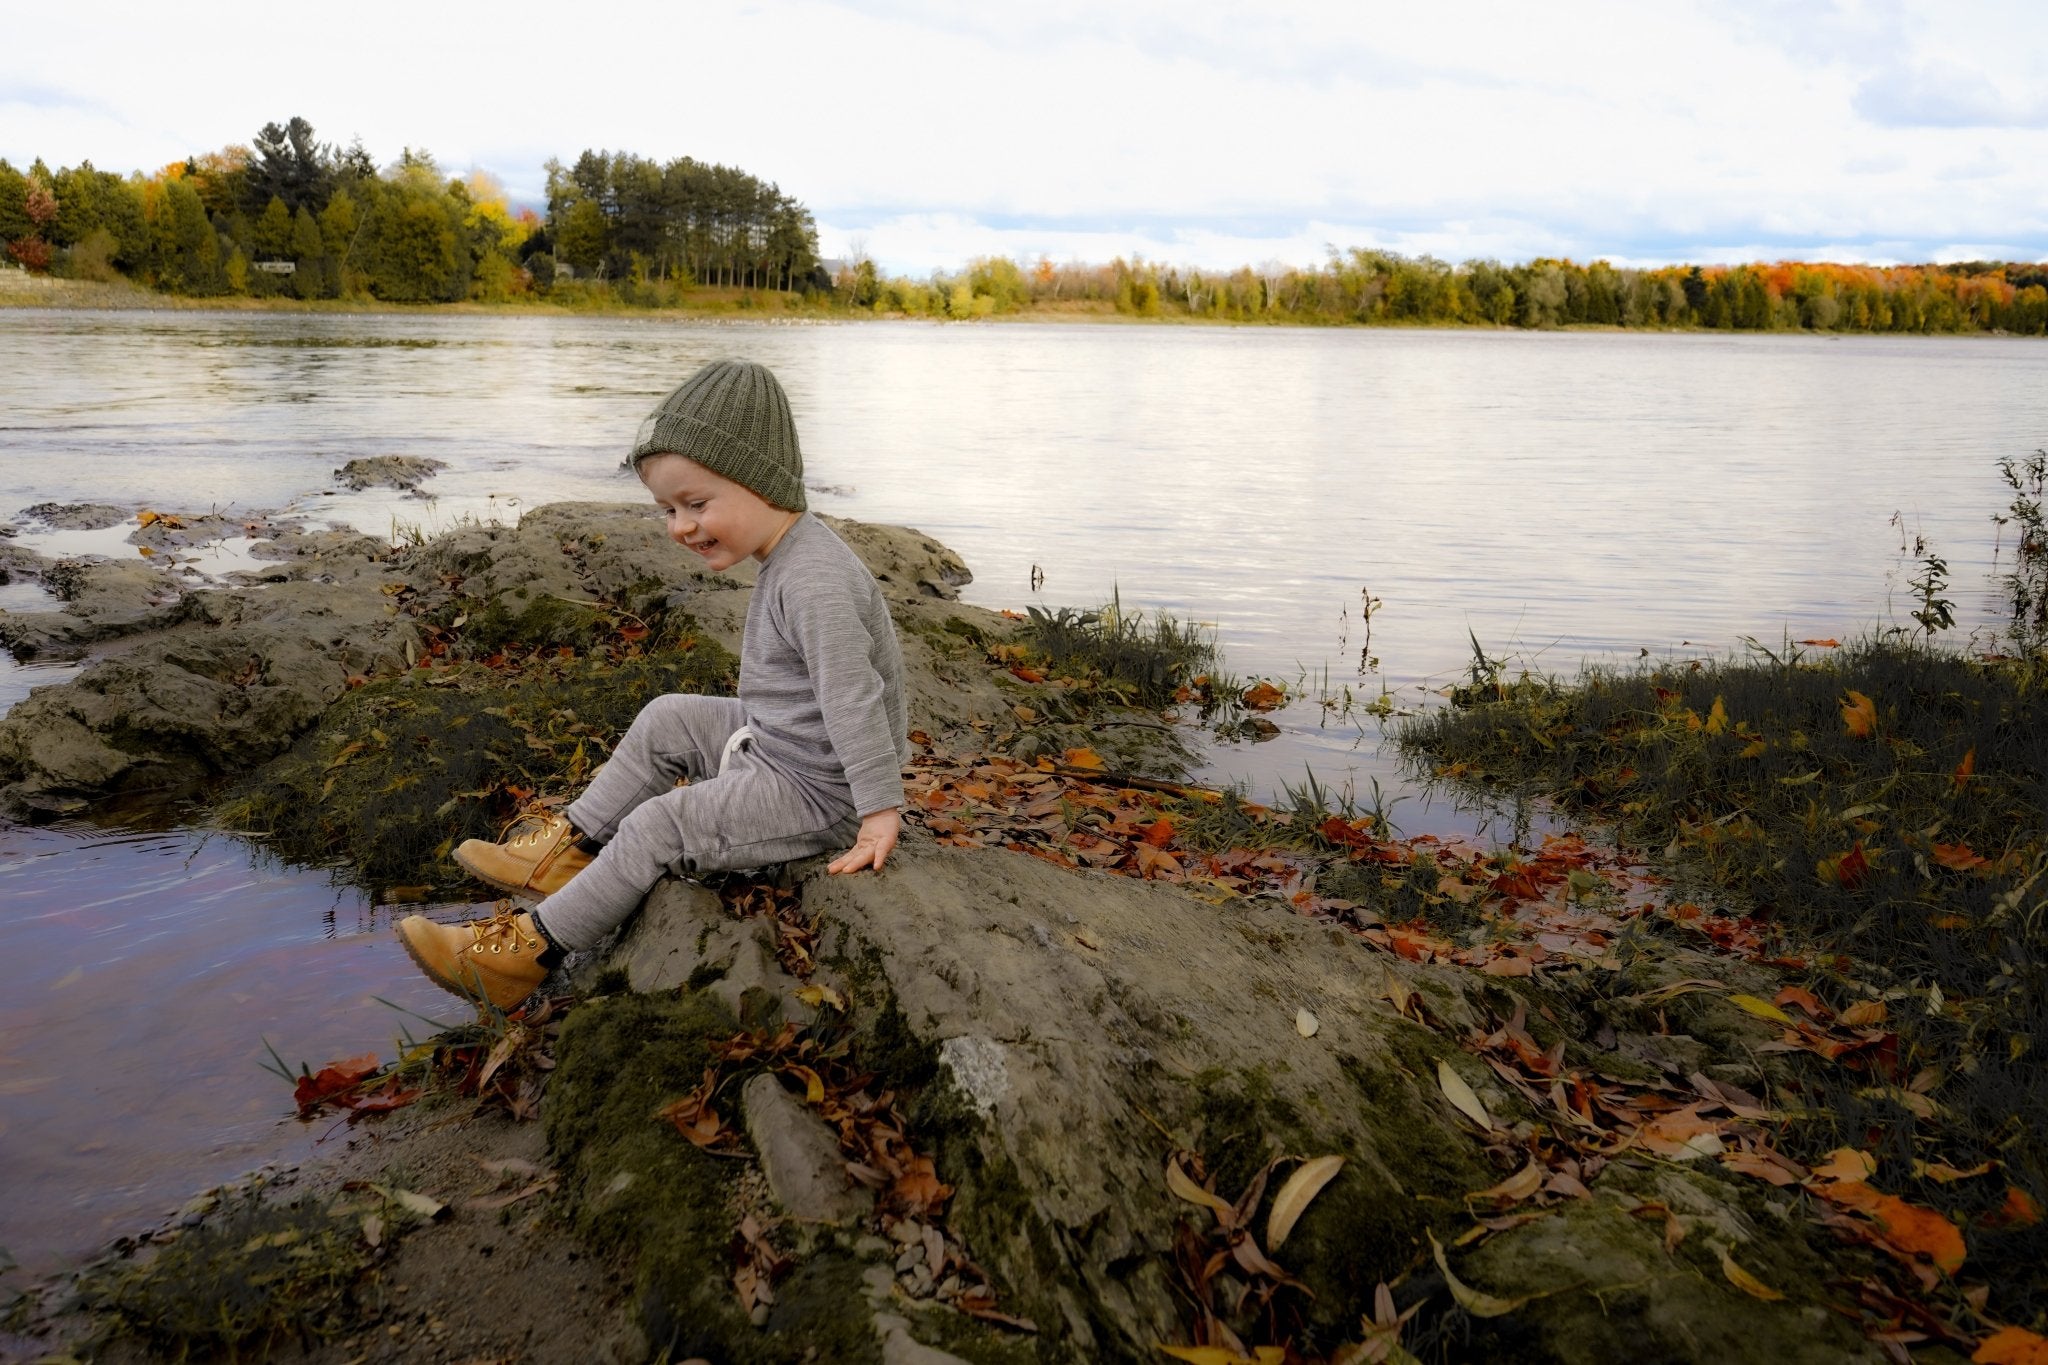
1369 1224
254 1275
638 1190
402 769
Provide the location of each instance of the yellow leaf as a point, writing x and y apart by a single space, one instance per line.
1083 758
1717 718
1302 1187
1476 1302
814 1085
1184 1187
1462 1095
1746 1282
1859 714
1223 1355
1762 1009
815 995
1846 1163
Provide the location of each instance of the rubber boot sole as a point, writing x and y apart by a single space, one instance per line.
525 893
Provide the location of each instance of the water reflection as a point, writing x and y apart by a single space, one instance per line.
145 970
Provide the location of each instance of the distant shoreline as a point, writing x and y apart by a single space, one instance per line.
21 291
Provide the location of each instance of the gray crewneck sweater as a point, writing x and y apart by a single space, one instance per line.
821 674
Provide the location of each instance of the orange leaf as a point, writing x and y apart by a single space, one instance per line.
1859 714
1965 770
332 1082
1262 697
1157 834
2012 1346
1030 675
1805 999
1864 1013
1822 644
1910 1228
1958 857
2020 1210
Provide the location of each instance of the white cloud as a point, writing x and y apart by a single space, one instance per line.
1189 130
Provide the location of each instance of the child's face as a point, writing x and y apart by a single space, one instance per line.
710 515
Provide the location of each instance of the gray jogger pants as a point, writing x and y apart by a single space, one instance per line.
735 813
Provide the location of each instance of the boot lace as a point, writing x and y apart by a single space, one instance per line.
541 825
500 931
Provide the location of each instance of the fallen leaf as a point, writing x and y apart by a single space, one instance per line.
1761 1008
1184 1187
1082 758
2020 1210
1474 1301
1913 1230
1513 1190
1859 715
1263 696
1965 770
1846 1163
2012 1346
1746 1282
1305 1023
1295 1195
412 1202
1462 1095
1958 857
815 995
1223 1355
1087 940
1805 1000
1863 1014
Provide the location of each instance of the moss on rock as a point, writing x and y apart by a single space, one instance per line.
403 768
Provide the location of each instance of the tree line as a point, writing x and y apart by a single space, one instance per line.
291 216
1368 287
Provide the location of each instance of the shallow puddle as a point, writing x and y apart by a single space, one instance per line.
144 972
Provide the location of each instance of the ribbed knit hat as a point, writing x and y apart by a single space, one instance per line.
733 418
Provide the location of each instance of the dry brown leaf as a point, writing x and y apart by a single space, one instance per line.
1462 1095
1513 1190
1184 1187
1296 1194
1478 1303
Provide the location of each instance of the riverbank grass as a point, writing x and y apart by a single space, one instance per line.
1875 820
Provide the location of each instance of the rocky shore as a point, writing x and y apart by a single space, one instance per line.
978 1107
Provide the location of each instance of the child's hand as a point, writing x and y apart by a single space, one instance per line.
877 837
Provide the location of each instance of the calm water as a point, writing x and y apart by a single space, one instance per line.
1561 497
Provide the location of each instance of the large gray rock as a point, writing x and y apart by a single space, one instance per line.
1067 1031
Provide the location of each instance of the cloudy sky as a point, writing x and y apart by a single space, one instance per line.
1194 131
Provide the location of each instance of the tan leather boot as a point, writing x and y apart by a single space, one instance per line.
536 858
496 958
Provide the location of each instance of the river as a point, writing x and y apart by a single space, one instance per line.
1559 497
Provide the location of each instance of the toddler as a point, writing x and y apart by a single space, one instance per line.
807 758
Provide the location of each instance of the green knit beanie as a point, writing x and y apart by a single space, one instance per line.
733 418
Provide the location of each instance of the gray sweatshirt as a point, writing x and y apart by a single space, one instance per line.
821 674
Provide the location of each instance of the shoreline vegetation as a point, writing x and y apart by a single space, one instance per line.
294 223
